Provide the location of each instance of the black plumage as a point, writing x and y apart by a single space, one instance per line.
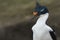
53 35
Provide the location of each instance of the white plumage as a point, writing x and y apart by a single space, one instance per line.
41 29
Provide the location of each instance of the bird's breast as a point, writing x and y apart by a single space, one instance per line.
39 31
39 28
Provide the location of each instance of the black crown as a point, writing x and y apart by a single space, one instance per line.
40 9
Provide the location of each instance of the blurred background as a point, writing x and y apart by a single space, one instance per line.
16 18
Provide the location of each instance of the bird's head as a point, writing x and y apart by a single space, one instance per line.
39 10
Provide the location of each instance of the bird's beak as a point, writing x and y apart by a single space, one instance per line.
35 13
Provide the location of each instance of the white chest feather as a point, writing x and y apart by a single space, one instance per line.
41 22
40 28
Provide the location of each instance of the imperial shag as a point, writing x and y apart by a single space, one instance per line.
41 31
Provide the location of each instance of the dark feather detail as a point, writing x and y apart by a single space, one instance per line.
53 35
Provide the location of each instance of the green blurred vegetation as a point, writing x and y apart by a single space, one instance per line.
14 10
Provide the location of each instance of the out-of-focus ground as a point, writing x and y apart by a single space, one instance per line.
16 18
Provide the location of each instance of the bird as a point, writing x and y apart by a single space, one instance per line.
42 31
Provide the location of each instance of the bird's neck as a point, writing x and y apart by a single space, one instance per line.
42 18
